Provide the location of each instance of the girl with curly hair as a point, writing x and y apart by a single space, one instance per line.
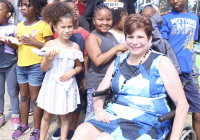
59 94
32 33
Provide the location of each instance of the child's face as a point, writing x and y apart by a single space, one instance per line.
26 11
148 11
75 10
178 5
3 13
103 20
64 28
121 23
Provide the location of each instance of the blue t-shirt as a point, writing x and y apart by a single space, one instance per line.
181 29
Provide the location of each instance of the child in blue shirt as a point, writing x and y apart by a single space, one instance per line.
180 28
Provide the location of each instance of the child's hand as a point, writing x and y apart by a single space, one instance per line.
159 10
82 84
162 14
28 40
121 47
67 75
1 40
51 55
12 45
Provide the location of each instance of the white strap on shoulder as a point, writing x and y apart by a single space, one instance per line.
73 45
52 43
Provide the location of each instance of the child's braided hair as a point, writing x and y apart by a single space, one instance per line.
101 6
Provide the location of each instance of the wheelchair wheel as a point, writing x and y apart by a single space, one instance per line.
188 135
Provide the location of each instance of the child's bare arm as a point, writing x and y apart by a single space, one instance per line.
47 60
32 41
78 64
10 44
86 63
86 67
77 69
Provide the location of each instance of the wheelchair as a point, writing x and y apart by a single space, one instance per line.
188 132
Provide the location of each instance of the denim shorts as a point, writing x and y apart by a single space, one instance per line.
33 75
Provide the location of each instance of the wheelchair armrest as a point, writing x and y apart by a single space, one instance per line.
100 93
167 116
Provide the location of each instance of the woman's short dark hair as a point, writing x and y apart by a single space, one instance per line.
137 21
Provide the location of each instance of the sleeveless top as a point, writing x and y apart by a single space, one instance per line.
135 113
95 74
58 97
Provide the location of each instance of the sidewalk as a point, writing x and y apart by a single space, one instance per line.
6 130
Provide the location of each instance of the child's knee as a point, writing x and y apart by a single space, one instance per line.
47 117
25 99
33 102
64 117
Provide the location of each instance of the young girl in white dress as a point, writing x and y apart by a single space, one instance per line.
59 93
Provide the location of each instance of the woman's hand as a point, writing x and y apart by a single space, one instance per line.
102 116
67 75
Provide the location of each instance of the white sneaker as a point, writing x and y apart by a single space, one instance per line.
2 120
15 121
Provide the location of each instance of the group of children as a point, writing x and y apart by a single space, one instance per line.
54 82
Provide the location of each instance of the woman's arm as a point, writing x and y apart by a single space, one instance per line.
175 91
100 114
92 45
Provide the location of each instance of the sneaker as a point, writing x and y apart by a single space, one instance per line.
30 113
21 130
30 110
15 121
70 134
2 120
35 135
56 135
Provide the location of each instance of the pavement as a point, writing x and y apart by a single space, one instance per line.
6 130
